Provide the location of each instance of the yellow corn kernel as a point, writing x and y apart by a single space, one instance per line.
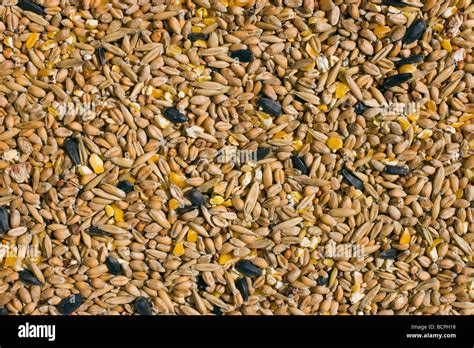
209 21
297 145
8 41
201 12
313 261
266 119
227 203
309 67
32 39
178 180
404 123
178 249
413 117
224 258
323 107
465 118
173 50
200 43
84 170
446 44
131 179
381 31
316 201
118 214
195 29
47 45
459 193
328 262
341 90
192 236
296 196
217 200
311 51
173 203
306 33
334 143
109 211
405 237
431 105
457 124
280 135
437 242
240 3
438 27
425 134
407 68
96 163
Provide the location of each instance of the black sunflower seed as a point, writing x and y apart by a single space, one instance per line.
4 219
354 180
322 280
248 269
185 209
395 3
100 53
360 108
174 116
389 254
3 311
262 153
198 36
95 231
143 306
28 5
72 149
245 56
415 58
299 164
396 80
28 278
242 285
125 185
270 106
113 265
196 197
201 284
217 310
414 31
396 170
70 304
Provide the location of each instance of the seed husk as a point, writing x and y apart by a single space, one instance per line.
242 285
125 185
69 304
414 31
4 220
113 265
396 170
394 3
175 116
95 231
396 80
354 181
413 59
299 164
100 53
72 149
198 36
28 5
270 106
143 306
247 268
28 278
245 56
389 254
196 197
262 153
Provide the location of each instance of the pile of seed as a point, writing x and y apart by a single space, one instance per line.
113 116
